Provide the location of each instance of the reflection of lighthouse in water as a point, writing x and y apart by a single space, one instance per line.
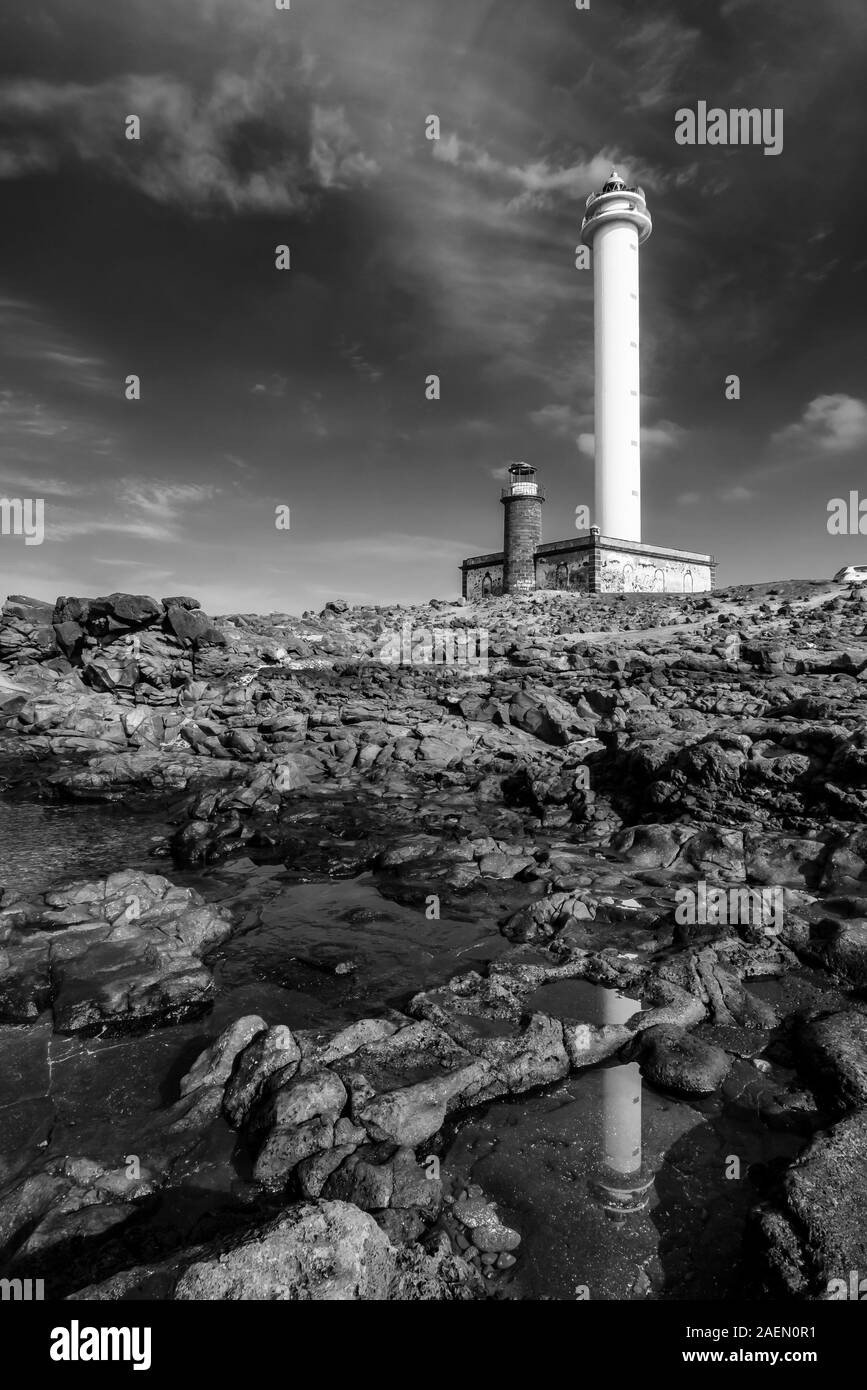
622 1183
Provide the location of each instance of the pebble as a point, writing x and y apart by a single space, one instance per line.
475 1211
495 1238
505 1260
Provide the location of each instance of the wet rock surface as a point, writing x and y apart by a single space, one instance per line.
406 928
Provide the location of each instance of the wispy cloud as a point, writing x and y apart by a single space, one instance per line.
274 386
36 435
34 485
655 439
59 528
30 335
165 500
335 155
150 510
658 49
353 353
538 183
562 420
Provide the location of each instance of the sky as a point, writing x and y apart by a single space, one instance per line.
305 388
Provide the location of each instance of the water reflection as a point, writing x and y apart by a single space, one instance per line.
621 1183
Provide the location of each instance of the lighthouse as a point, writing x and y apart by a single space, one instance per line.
616 222
522 528
609 556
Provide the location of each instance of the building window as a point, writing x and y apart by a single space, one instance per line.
487 585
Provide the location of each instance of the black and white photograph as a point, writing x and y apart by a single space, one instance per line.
433 671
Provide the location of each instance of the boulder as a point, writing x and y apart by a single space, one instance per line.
832 1051
181 601
188 625
133 610
213 1067
676 1061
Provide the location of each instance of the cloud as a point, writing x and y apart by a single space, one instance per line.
22 414
335 156
830 425
665 435
29 334
33 431
738 493
313 420
150 510
274 386
561 420
655 439
248 141
165 500
66 529
657 49
535 184
25 483
353 354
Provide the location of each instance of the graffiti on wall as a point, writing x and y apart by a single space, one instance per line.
486 582
568 572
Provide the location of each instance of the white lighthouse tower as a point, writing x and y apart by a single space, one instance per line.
616 223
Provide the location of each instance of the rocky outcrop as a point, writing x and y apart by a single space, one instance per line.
616 790
114 953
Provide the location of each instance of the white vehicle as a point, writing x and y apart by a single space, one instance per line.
851 574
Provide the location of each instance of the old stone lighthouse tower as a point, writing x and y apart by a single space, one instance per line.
609 556
522 529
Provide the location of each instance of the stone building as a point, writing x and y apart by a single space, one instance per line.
589 563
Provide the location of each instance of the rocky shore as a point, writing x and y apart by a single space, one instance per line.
632 840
